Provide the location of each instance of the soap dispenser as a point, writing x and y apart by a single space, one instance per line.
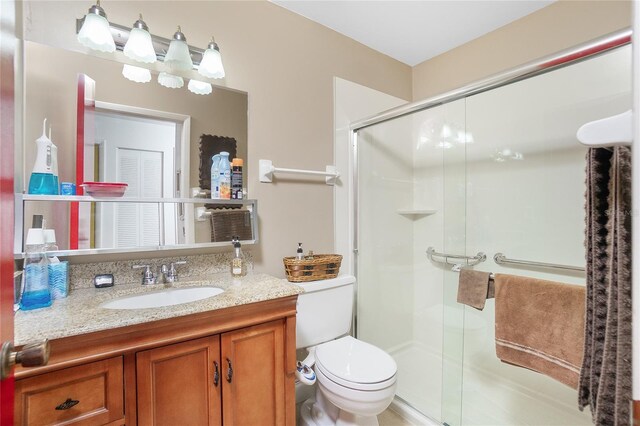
36 293
238 263
43 180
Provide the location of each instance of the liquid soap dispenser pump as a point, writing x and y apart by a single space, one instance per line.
238 263
43 179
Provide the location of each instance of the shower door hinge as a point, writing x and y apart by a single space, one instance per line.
355 251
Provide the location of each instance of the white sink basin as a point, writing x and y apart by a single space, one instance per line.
157 299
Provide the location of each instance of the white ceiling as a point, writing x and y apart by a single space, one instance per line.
413 31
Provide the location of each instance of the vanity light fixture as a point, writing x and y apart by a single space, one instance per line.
137 74
178 57
169 80
139 46
199 87
211 65
95 32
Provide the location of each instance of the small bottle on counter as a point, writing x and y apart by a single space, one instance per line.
299 252
238 263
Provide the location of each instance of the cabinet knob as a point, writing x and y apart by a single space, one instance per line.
216 373
229 371
31 355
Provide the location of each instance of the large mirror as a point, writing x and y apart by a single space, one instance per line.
144 134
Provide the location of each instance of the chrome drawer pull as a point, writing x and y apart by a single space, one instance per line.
67 404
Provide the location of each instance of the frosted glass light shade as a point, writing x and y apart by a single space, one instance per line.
170 81
211 64
139 46
199 87
95 33
178 57
137 74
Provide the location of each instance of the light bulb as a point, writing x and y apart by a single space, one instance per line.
169 80
139 46
178 57
199 87
95 32
211 64
137 74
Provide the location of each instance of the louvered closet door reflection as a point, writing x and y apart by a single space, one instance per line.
138 224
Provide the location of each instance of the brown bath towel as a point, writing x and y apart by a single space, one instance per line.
474 288
539 326
605 383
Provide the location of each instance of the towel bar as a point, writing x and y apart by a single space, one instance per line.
462 260
501 259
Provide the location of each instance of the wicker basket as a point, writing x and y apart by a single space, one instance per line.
321 267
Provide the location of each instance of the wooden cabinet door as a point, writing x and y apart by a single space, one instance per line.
253 375
176 384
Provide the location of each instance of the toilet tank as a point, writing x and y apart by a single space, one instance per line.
324 310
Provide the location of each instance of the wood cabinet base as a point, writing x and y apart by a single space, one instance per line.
178 371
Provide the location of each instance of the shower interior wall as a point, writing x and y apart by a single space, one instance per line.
503 172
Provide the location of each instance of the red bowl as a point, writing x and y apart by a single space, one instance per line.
105 189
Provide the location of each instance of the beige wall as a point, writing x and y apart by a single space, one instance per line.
561 25
286 63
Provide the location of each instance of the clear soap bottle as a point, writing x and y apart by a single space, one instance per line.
36 293
238 263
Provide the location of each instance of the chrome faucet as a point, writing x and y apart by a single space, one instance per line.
169 273
147 275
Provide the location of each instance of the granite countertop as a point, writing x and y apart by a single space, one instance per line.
80 313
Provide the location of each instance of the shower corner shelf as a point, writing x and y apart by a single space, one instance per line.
415 213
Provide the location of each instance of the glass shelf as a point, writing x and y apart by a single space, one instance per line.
22 199
416 212
89 199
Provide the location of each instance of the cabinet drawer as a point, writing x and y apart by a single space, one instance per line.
50 399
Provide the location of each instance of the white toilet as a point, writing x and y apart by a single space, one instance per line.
356 381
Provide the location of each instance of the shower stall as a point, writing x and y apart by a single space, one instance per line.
493 168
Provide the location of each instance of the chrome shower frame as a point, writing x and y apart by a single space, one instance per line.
543 65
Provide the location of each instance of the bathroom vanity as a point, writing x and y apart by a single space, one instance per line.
228 359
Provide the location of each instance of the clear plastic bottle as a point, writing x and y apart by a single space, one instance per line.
36 292
225 176
215 177
238 263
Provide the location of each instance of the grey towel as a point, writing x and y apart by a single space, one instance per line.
605 381
474 288
225 224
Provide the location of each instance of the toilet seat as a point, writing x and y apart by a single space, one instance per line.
355 364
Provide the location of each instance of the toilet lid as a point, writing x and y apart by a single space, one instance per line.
355 362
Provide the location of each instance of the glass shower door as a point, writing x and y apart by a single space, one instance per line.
498 172
411 195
